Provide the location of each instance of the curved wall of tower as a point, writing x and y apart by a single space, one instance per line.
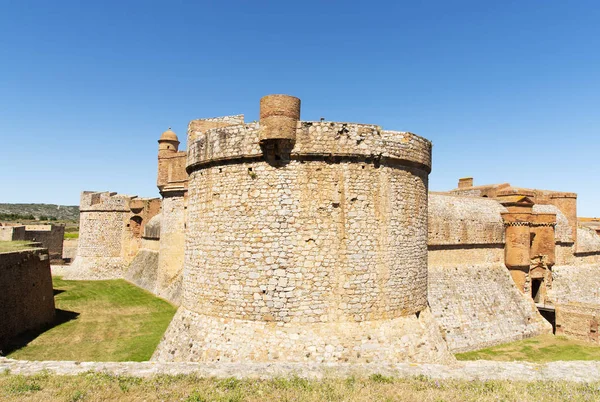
315 255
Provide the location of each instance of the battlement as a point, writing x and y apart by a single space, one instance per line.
326 140
103 201
111 201
198 126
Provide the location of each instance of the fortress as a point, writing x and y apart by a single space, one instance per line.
291 240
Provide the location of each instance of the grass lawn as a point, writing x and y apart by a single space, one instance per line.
71 235
104 321
101 387
541 349
7 246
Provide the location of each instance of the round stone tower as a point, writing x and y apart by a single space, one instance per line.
306 241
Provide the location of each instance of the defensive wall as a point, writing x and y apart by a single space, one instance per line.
12 233
143 270
305 241
471 292
26 294
553 260
110 233
50 236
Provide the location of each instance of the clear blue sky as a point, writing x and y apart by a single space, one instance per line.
506 90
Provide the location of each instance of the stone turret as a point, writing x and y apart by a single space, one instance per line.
168 142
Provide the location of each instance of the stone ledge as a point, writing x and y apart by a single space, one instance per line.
481 370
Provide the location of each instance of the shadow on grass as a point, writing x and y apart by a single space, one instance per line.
58 291
23 339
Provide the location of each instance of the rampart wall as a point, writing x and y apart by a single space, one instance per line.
471 293
12 233
143 270
26 294
171 248
51 237
102 226
110 233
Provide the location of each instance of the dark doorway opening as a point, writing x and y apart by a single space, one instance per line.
536 285
550 316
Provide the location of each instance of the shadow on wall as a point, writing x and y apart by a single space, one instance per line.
23 339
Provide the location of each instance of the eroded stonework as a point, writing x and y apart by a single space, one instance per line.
304 240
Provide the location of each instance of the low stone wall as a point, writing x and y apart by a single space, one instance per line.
578 321
12 233
481 370
51 237
26 294
479 306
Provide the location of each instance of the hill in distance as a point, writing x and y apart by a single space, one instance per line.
53 211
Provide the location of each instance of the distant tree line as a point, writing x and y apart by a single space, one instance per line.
30 217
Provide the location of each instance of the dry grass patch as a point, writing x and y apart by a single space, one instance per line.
540 349
111 321
102 387
9 246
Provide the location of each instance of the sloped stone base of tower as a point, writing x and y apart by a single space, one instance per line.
195 337
479 306
95 268
171 291
143 270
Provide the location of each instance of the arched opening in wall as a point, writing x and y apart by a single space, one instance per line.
135 225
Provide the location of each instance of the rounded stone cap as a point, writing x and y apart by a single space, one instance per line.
152 228
280 105
169 136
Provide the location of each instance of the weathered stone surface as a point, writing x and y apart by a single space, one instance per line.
479 306
576 371
26 295
197 337
110 234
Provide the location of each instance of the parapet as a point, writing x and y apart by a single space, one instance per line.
562 230
588 241
198 126
103 201
313 140
464 221
112 202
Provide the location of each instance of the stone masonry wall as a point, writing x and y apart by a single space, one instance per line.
316 242
479 306
51 237
171 249
319 258
143 270
12 233
102 229
196 337
471 293
26 295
